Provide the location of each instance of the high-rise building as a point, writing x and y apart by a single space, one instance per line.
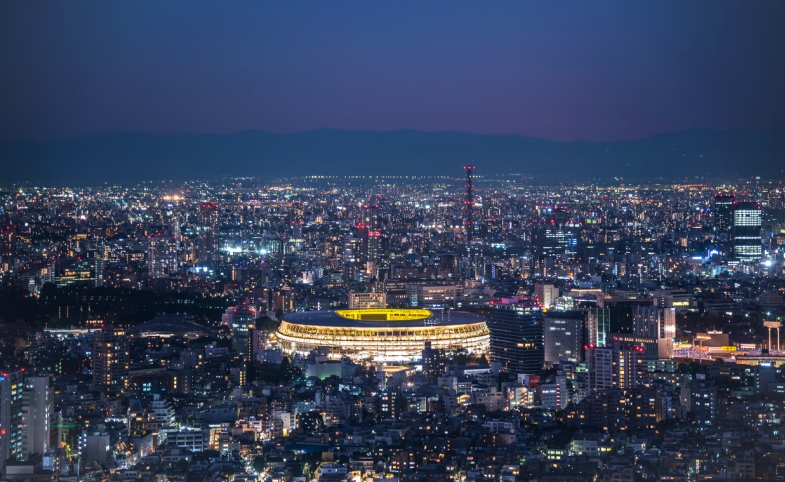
617 365
11 392
37 407
351 256
598 324
162 258
241 320
372 232
746 234
563 337
206 246
110 360
723 211
26 406
516 327
666 333
599 368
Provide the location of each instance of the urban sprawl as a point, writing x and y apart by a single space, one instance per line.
408 328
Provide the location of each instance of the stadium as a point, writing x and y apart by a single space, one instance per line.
383 334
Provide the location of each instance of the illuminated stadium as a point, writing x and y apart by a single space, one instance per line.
383 334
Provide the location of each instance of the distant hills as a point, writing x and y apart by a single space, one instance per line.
128 157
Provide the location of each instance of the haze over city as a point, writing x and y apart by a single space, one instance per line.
392 242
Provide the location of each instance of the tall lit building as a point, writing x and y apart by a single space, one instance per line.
11 392
37 407
746 234
517 334
26 406
162 255
617 365
372 233
110 360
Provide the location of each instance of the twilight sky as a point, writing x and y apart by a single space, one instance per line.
563 70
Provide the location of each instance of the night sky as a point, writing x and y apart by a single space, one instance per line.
593 70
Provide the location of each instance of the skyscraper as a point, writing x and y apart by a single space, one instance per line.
746 234
723 211
242 319
372 233
110 360
516 327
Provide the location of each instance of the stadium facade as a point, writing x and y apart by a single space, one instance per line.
383 334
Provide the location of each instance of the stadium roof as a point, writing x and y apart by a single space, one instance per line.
372 318
170 325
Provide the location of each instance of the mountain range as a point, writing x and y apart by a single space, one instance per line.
131 157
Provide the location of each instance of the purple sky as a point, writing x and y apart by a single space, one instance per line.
561 70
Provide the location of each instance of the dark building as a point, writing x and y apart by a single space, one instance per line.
563 336
723 211
517 338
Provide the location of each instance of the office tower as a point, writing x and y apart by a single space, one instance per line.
162 255
516 327
546 294
563 337
746 234
723 211
554 240
598 324
110 360
11 393
241 320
